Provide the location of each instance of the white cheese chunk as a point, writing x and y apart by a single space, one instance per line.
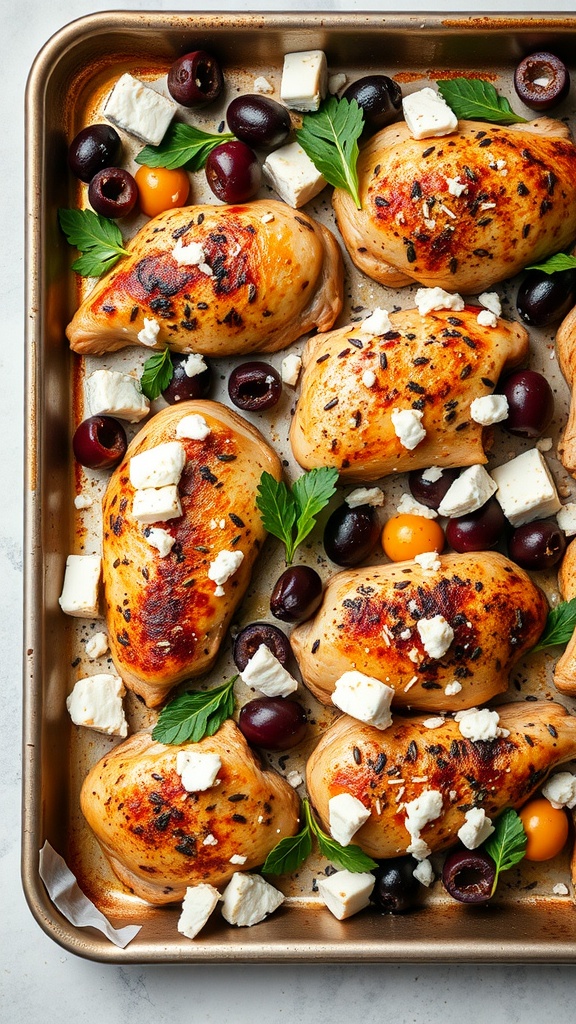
194 364
96 702
209 840
262 86
346 892
191 255
469 492
291 366
420 812
491 301
83 501
560 790
476 828
97 646
197 906
158 466
193 427
291 173
428 560
436 635
265 673
479 724
408 427
566 518
427 115
336 82
408 505
364 698
456 187
198 771
156 504
526 489
223 567
487 319
489 409
111 393
148 336
368 378
248 899
433 723
560 889
237 858
432 474
294 779
81 589
160 539
377 324
365 496
304 79
451 689
346 815
139 110
427 300
424 873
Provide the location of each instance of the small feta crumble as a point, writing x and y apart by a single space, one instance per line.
81 587
428 560
193 427
191 255
451 689
148 336
491 300
197 771
292 174
526 488
346 892
223 567
156 504
97 646
560 790
336 82
475 724
158 466
420 812
238 858
432 474
267 218
209 840
566 518
476 828
377 324
487 319
112 393
82 502
408 427
456 187
294 779
433 723
423 872
346 815
290 370
544 444
408 505
368 378
427 115
469 492
194 364
489 409
364 698
264 672
430 299
436 635
197 906
418 848
560 889
365 496
248 899
263 86
96 703
160 539
304 79
139 110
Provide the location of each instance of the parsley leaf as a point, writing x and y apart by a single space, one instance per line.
193 715
282 508
556 263
475 100
290 853
507 844
97 238
560 625
182 146
330 138
157 373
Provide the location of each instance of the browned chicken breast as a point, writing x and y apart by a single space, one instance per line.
433 364
386 770
565 670
166 617
371 620
160 838
220 280
566 349
463 211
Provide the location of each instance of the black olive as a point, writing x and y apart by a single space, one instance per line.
543 299
93 149
254 386
259 121
195 79
541 81
113 192
351 533
379 97
538 545
274 723
396 889
297 594
468 875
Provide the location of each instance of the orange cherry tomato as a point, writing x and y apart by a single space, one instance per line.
161 189
406 535
546 828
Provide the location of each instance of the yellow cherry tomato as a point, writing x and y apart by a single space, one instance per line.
161 189
406 535
546 828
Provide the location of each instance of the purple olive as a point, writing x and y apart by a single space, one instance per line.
538 545
541 81
379 97
113 192
431 492
92 150
477 531
254 386
544 299
251 637
530 403
258 121
99 442
468 875
182 387
351 534
396 889
297 594
274 723
195 79
233 172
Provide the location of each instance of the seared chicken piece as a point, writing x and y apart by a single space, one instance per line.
566 349
164 615
369 621
565 670
463 211
255 278
388 769
159 838
434 365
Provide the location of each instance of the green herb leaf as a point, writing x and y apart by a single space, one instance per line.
560 625
283 509
182 146
472 99
277 508
350 858
289 854
312 492
507 844
330 138
193 715
97 238
157 373
556 263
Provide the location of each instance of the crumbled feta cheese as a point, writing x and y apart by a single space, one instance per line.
336 82
148 336
476 828
291 173
191 255
193 427
158 466
419 849
408 505
526 489
139 110
560 889
427 115
377 323
197 906
456 187
436 635
265 673
194 364
451 689
368 378
267 218
408 427
81 588
83 501
489 409
97 646
491 300
560 790
160 539
248 899
304 79
262 86
156 504
487 319
209 840
290 371
566 518
433 723
432 474
428 560
420 812
429 299
111 393
198 771
469 492
346 814
294 779
423 872
364 698
346 892
475 724
223 567
544 444
365 496
96 702
238 858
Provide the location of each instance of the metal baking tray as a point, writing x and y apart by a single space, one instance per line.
66 85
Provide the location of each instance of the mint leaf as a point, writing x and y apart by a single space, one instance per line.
157 373
193 715
282 508
473 99
98 239
560 625
556 263
507 844
350 858
182 146
312 492
330 138
289 854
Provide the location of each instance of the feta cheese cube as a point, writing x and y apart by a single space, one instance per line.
420 812
377 324
158 466
193 427
476 828
487 319
96 702
139 110
433 723
198 771
198 903
304 80
451 689
265 673
83 501
347 814
408 504
427 300
424 873
238 858
156 504
81 589
223 567
491 301
97 646
560 889
160 539
427 115
526 489
475 724
469 492
148 336
368 378
456 187
428 560
489 409
566 518
291 173
364 698
248 899
195 364
432 474
262 86
111 393
408 427
336 82
560 790
365 496
291 366
346 892
436 635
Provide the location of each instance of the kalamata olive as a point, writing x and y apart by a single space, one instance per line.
233 172
254 386
259 121
113 192
396 889
379 97
538 545
543 299
251 637
468 875
274 723
195 79
92 150
351 534
99 442
431 492
541 81
297 594
477 531
530 403
182 386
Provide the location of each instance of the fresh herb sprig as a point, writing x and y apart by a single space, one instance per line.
560 626
290 853
98 239
507 844
555 264
290 513
182 146
330 138
473 99
157 373
195 714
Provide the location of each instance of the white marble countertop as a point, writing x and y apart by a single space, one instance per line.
41 982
